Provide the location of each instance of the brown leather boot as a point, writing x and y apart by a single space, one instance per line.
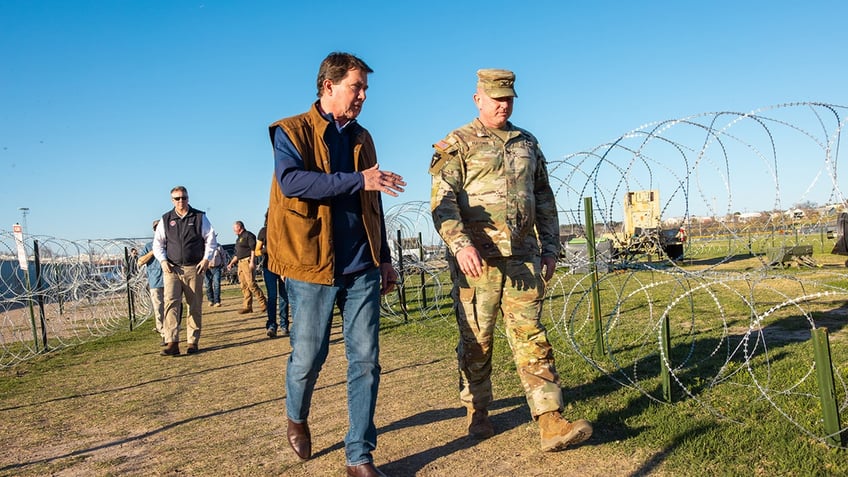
300 439
364 470
172 349
557 433
479 425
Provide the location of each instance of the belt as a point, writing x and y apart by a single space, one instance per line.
185 264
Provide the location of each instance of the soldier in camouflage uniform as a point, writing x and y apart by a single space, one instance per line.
493 206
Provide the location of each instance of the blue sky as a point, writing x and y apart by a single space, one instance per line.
106 105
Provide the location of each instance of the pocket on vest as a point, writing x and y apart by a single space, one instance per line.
306 248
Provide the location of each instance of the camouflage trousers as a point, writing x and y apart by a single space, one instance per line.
515 288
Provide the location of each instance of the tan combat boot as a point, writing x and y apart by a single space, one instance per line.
557 433
479 425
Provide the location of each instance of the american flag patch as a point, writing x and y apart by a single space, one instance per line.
441 145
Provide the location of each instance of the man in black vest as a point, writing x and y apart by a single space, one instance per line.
183 243
245 258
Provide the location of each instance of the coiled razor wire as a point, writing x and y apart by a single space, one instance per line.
743 185
738 318
82 291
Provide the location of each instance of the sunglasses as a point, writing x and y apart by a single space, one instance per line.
184 197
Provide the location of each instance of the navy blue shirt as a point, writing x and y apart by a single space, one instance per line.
341 187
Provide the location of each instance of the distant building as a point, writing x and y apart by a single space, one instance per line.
747 216
795 213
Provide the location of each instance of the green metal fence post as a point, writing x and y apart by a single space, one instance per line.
665 372
127 276
827 388
421 275
401 289
39 286
593 266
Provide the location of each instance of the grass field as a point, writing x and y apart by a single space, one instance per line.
745 399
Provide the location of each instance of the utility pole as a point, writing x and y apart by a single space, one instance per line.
24 212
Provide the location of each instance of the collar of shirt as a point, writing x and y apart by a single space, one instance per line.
177 212
329 117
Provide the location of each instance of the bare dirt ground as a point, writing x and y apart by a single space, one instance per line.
125 410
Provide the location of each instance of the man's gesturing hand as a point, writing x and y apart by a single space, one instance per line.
383 181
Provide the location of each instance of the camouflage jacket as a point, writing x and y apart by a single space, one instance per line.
493 195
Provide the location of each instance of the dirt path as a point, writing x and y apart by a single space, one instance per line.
125 410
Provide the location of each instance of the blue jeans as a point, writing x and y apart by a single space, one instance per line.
358 299
213 284
277 299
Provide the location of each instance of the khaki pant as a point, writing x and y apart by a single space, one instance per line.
514 288
157 302
249 288
183 281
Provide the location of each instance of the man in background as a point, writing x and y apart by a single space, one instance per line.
245 257
156 284
275 287
183 244
213 275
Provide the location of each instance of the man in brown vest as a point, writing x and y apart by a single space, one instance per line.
327 236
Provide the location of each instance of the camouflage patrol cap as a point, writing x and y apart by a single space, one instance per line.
496 83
